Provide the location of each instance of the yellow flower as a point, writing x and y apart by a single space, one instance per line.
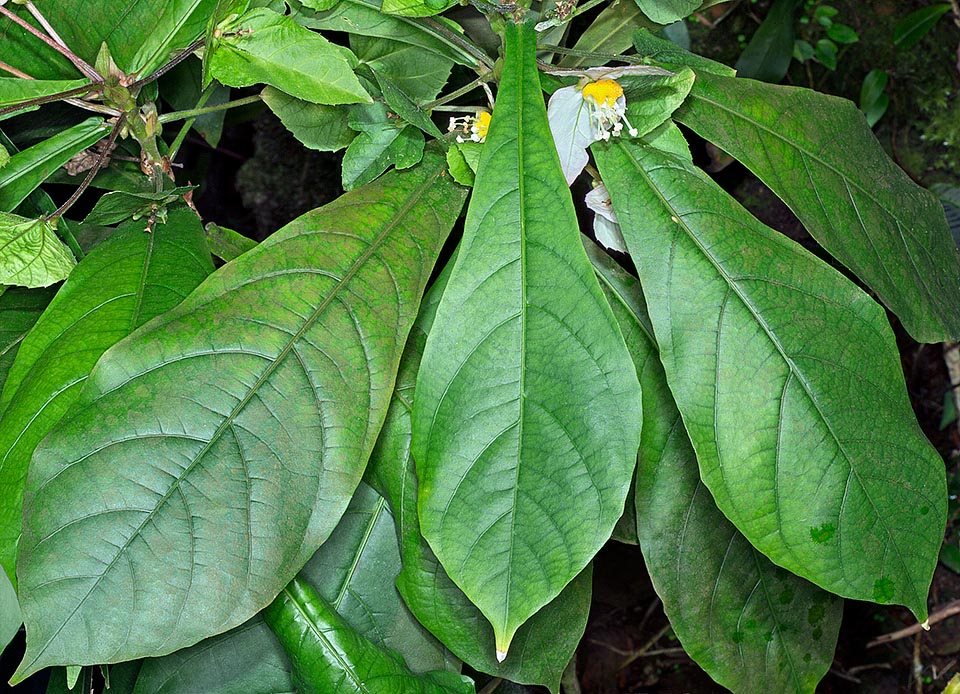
474 127
607 107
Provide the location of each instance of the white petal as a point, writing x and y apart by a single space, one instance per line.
608 234
572 131
598 200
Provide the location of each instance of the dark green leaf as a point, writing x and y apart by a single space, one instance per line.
671 56
873 102
842 34
767 351
416 72
118 206
611 32
329 656
124 282
31 255
260 424
265 47
404 106
826 53
526 422
383 142
818 155
316 126
182 88
751 625
802 51
767 56
29 168
19 310
909 30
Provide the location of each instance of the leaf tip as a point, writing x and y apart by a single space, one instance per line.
502 655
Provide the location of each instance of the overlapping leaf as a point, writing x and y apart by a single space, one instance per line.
753 626
818 155
19 310
526 421
768 351
124 282
266 388
31 255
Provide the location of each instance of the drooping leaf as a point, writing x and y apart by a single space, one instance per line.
526 422
262 46
416 72
120 285
317 126
668 11
354 573
911 29
873 100
9 611
118 206
29 168
31 255
244 660
225 243
382 142
818 155
329 656
404 106
544 645
611 32
767 57
14 90
768 350
19 310
753 626
259 427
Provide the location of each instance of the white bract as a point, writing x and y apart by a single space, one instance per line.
582 114
606 227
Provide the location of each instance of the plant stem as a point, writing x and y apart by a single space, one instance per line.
491 685
32 9
60 211
14 71
188 123
590 55
543 26
166 67
77 61
194 112
457 93
39 100
451 38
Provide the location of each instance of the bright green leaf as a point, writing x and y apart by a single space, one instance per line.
265 47
383 142
27 169
329 656
316 126
260 426
751 625
121 284
461 170
909 30
416 8
767 351
413 71
767 56
19 310
526 422
31 255
818 155
668 11
14 90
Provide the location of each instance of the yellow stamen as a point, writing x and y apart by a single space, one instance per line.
602 92
481 125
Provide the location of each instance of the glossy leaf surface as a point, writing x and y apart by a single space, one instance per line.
526 422
263 46
125 281
329 656
818 155
767 351
19 310
268 385
31 255
753 626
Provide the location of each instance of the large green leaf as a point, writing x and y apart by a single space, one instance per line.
29 168
31 255
668 11
772 357
9 611
419 74
244 660
382 142
263 46
354 572
526 422
19 310
817 153
753 626
124 282
14 90
329 656
317 126
611 32
544 645
266 388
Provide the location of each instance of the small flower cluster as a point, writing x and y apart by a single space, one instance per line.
473 127
607 107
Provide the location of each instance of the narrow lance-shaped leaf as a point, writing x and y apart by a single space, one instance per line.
753 626
125 281
768 351
329 656
817 153
31 255
266 389
543 646
526 421
14 90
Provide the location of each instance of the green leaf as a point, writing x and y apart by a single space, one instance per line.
668 11
611 32
317 126
751 625
767 56
544 645
27 169
14 90
667 54
225 243
404 106
768 351
826 53
265 47
261 425
182 88
19 310
416 72
329 656
383 142
526 423
244 660
842 34
909 30
9 611
416 8
873 101
31 255
818 155
119 206
354 572
125 281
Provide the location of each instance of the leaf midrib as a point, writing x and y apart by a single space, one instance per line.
420 191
